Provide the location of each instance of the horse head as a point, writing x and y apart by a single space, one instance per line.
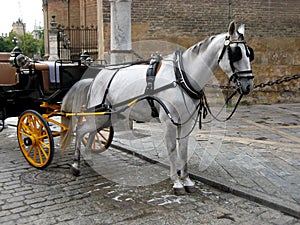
235 59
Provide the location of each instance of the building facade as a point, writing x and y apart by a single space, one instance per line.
272 29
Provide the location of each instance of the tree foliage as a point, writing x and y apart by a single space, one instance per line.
29 45
6 43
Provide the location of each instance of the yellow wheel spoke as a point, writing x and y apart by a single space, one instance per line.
45 153
25 134
25 127
29 151
84 141
34 153
40 156
96 140
99 141
102 135
46 145
101 144
45 136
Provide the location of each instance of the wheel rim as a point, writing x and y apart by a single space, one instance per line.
102 140
35 139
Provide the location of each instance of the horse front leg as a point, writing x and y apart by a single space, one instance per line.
170 138
188 184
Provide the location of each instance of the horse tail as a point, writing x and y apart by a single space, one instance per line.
73 101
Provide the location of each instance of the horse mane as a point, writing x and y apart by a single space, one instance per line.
202 45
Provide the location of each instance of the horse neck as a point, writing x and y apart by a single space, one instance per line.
201 65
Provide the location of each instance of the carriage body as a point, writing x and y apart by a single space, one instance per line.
34 93
26 88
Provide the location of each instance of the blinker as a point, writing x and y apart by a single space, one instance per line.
235 54
251 53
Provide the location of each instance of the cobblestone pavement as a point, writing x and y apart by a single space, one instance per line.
255 151
255 155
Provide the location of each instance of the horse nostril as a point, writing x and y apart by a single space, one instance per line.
247 89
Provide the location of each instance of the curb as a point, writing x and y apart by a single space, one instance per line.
249 194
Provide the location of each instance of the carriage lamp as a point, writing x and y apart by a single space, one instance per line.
17 59
85 58
14 53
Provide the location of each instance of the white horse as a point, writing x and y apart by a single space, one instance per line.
177 92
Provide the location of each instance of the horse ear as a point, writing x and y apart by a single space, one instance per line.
241 29
231 28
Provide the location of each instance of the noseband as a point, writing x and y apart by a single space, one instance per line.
234 55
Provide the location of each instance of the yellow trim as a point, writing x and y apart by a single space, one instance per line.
50 106
132 102
86 114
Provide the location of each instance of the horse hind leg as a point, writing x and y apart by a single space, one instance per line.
75 167
89 126
81 130
88 151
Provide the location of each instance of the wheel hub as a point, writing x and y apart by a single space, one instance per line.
28 141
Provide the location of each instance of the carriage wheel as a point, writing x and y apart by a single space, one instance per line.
102 139
35 139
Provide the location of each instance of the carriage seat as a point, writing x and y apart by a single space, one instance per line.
50 74
44 69
8 75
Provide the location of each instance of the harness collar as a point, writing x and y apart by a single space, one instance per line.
182 79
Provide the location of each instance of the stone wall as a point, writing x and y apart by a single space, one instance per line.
272 29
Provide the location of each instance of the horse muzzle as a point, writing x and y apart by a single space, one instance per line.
243 81
245 84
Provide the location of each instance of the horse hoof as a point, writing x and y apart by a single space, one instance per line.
190 189
179 191
75 171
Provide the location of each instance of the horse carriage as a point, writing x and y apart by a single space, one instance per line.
33 91
173 92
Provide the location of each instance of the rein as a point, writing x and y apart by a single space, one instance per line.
226 102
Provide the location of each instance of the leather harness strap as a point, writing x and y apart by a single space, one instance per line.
182 79
154 67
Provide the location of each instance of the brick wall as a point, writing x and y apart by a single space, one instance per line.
272 29
91 13
190 18
67 14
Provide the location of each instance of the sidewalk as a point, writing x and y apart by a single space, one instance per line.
255 155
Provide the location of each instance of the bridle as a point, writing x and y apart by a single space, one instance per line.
234 55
